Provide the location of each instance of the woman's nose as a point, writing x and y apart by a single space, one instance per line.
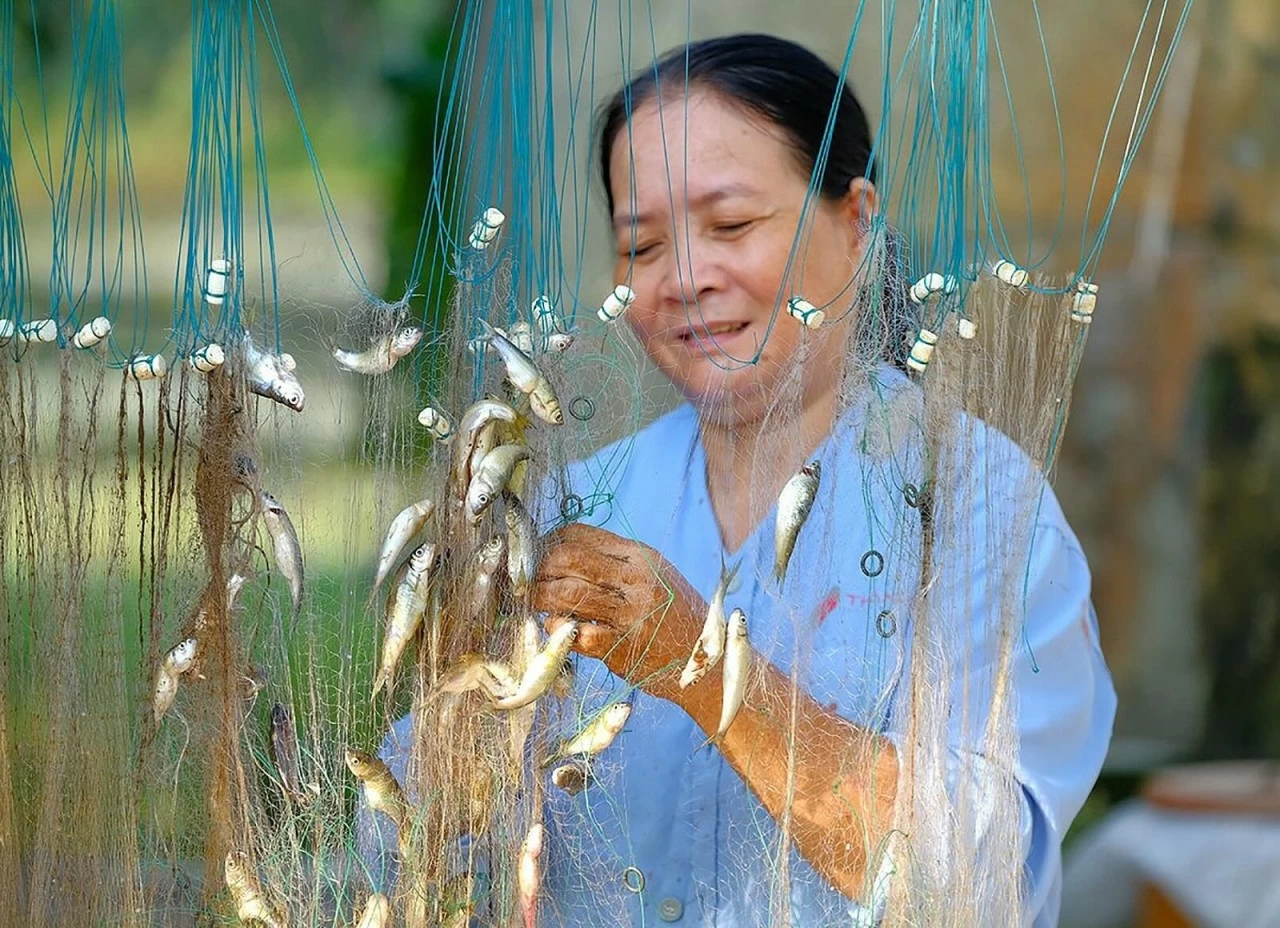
689 274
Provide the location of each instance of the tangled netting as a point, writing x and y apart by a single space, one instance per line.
198 670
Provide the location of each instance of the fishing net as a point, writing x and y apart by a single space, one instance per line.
195 503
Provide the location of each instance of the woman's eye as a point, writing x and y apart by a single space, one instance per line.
638 251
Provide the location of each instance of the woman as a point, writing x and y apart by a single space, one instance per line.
707 161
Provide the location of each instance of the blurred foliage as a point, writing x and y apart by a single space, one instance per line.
346 108
1240 519
420 90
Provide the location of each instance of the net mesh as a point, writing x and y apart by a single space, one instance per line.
147 469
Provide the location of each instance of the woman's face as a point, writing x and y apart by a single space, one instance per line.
709 198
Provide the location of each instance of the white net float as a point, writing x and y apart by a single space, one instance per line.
146 367
217 281
616 303
1010 273
7 329
486 228
800 308
1083 302
922 351
436 422
968 328
287 363
930 284
92 332
38 330
207 359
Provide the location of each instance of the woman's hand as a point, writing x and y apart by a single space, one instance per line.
637 613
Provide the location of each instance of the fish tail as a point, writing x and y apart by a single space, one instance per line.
713 740
728 576
380 681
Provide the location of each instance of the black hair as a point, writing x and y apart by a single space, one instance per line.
784 82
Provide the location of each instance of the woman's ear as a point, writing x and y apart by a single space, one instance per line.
860 206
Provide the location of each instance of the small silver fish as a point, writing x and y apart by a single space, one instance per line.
285 546
794 503
382 355
473 672
381 789
522 540
284 751
528 875
403 527
526 377
597 735
246 892
553 334
180 659
476 436
485 564
710 646
273 377
573 778
235 583
492 477
737 668
406 604
543 668
181 656
164 692
520 720
377 912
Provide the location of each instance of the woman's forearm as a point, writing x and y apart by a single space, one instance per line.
844 779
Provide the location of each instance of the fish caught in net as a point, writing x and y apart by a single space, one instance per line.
716 577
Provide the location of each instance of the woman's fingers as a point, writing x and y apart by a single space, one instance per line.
578 597
587 551
592 640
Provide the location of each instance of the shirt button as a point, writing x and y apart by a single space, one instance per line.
670 909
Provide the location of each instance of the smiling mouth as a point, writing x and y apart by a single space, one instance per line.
716 330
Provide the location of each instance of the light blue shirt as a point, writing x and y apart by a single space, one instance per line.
684 819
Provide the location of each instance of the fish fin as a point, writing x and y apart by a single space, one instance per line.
381 680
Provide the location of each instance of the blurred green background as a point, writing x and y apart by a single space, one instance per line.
1171 471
